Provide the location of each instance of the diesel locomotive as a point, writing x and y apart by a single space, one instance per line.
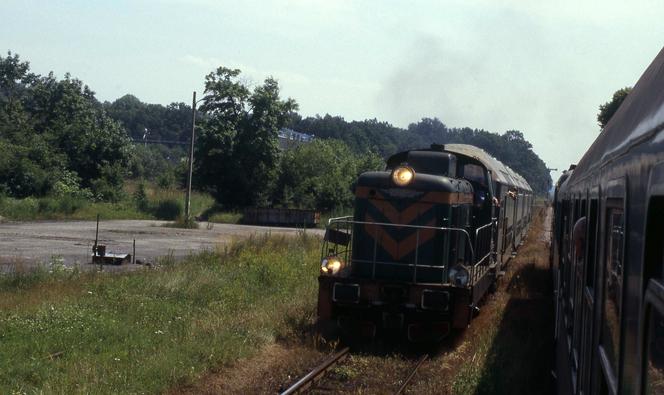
428 239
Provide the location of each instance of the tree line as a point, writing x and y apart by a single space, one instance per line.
56 138
510 147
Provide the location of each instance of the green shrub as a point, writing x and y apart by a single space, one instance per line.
168 209
57 206
231 217
166 180
181 222
141 198
20 209
69 186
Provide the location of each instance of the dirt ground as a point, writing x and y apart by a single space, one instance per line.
507 349
70 242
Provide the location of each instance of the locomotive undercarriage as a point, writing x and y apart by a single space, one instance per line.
367 305
419 312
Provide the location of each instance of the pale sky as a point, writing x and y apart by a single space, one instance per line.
541 67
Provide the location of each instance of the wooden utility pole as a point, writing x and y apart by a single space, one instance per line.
187 203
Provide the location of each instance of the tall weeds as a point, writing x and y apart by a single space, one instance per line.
146 331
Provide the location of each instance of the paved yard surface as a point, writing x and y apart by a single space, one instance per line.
42 241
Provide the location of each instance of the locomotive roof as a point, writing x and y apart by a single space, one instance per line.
500 172
639 117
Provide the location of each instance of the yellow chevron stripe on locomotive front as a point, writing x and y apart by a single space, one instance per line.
410 215
398 249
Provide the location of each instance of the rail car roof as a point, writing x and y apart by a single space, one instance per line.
639 117
500 172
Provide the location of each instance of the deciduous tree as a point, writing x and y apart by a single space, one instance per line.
237 151
609 108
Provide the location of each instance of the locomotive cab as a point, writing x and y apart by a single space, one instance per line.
416 252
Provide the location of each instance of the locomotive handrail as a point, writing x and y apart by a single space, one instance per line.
406 226
477 235
482 243
338 219
348 220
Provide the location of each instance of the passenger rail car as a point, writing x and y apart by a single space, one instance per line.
428 238
608 250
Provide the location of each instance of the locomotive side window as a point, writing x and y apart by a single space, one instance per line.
428 162
474 173
613 282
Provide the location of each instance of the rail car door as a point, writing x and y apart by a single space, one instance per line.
562 237
652 335
588 298
652 316
508 218
515 222
500 229
611 283
576 292
508 226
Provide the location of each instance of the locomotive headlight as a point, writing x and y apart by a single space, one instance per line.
459 275
331 265
403 175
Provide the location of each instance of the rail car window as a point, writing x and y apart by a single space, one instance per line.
591 245
654 251
579 244
573 260
564 244
654 374
570 218
613 280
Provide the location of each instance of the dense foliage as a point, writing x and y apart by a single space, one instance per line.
511 147
55 137
609 108
237 151
164 131
152 121
57 140
318 175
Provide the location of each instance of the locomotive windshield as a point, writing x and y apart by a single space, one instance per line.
426 162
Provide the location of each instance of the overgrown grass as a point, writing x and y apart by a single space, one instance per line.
226 217
339 212
145 332
514 354
182 223
66 207
469 377
200 201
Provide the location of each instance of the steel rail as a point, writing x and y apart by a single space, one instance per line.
412 374
306 381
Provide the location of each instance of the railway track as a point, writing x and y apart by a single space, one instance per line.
309 380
